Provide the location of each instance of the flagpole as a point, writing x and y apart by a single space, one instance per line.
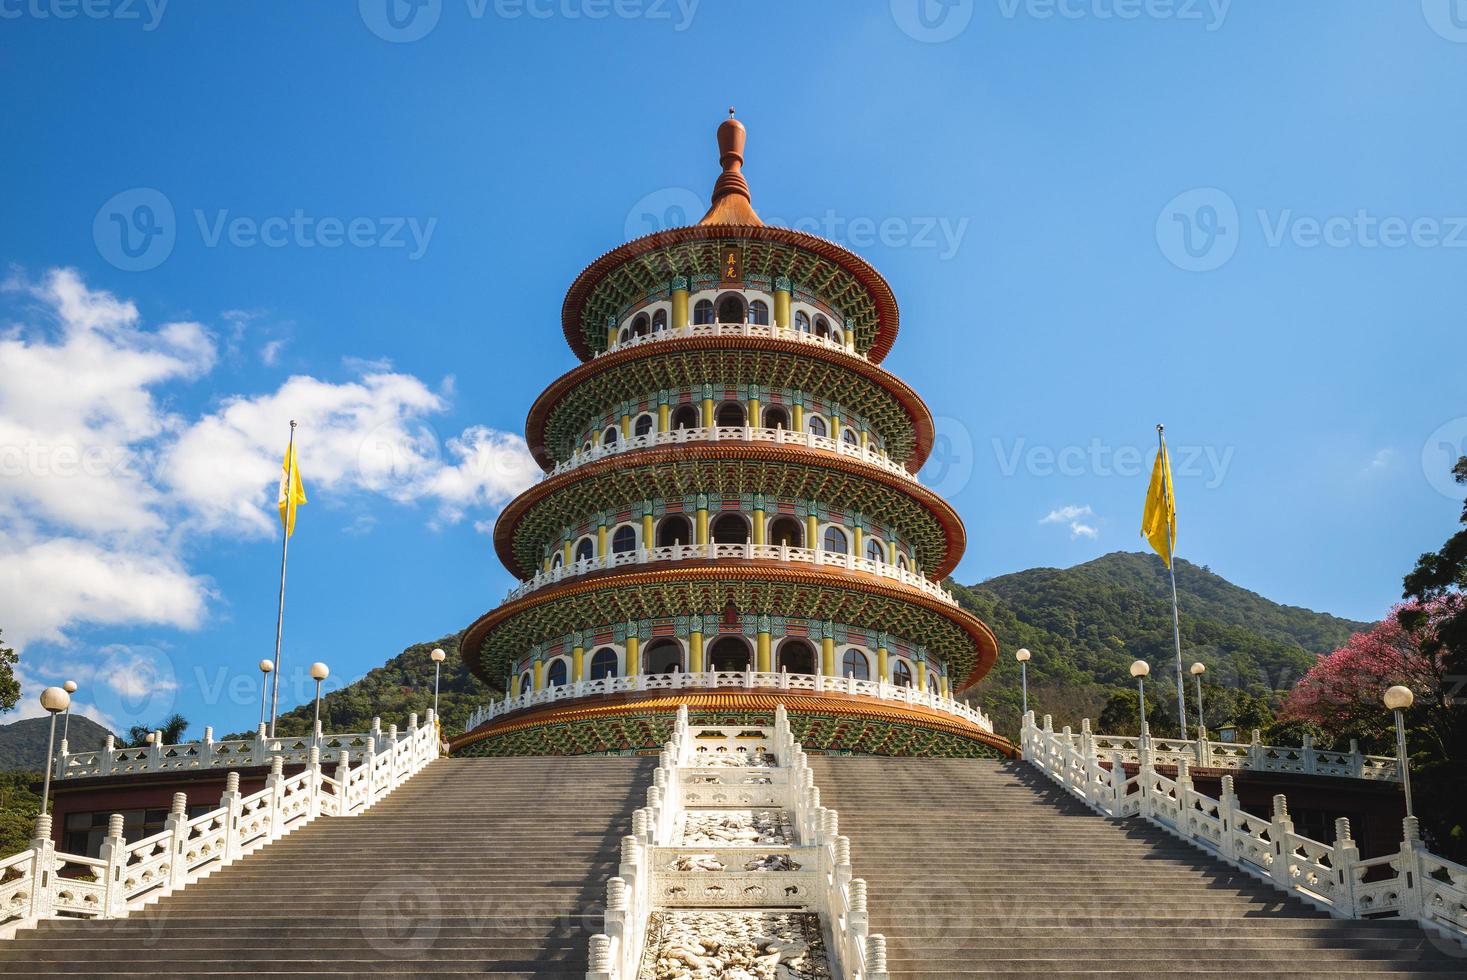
284 552
1171 565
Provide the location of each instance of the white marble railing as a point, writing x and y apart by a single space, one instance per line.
42 882
731 433
1412 883
766 331
1207 754
224 754
733 552
708 680
735 767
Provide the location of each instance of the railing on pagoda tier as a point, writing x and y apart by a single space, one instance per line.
748 551
763 330
734 433
737 679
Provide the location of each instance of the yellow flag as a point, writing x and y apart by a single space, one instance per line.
292 491
1159 520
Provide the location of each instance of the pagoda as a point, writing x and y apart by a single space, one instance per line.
730 516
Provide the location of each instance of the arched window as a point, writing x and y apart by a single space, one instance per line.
835 335
797 656
802 321
836 540
729 653
585 550
686 417
703 311
641 326
901 560
603 664
849 437
624 541
817 426
874 550
556 561
730 529
730 415
643 425
759 312
822 327
659 321
663 657
787 531
674 530
901 674
731 309
775 417
610 436
555 677
932 685
854 664
525 684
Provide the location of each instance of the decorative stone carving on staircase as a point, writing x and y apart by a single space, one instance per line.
735 945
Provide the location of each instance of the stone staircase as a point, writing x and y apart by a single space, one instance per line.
987 868
494 867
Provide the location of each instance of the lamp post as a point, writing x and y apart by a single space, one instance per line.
319 672
1398 699
54 700
70 688
1198 669
437 656
266 666
1022 656
1139 670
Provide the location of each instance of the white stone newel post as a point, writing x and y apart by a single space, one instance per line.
1117 782
392 765
155 751
177 827
860 920
369 765
109 750
599 958
276 785
1280 830
631 858
343 778
1184 798
1145 779
1357 760
616 912
258 751
43 870
1408 870
876 957
206 756
842 860
830 825
314 764
114 853
1255 750
639 824
229 802
1227 810
1343 859
1311 763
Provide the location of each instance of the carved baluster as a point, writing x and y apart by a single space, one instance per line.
876 957
229 802
1342 860
1227 809
177 827
599 958
1280 832
43 870
114 853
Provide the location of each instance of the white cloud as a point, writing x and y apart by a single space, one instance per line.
270 353
1379 462
1070 514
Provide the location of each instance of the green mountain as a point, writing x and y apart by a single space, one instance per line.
23 743
1084 625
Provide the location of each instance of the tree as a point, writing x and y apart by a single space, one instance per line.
1122 715
173 728
9 686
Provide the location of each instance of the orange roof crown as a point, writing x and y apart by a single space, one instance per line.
731 202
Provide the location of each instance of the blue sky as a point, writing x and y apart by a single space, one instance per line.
1242 219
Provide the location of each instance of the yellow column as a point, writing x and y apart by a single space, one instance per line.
865 440
626 426
611 333
695 651
763 653
835 426
943 688
782 308
578 663
799 418
758 528
702 528
754 412
707 413
881 671
827 657
539 675
921 675
646 530
634 656
891 553
664 418
601 541
679 308
566 553
545 565
812 531
856 540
